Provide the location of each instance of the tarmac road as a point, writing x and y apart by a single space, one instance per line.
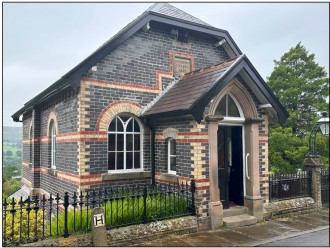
311 238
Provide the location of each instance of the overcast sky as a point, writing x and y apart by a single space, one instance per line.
43 41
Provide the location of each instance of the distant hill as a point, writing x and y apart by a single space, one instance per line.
12 134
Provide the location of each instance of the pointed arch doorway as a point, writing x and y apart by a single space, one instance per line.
230 152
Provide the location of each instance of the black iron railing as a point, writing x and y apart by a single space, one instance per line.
325 185
289 186
63 215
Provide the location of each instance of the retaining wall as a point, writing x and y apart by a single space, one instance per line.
130 235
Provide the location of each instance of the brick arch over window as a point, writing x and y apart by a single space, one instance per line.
52 116
114 109
241 95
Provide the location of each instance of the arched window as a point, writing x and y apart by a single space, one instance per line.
52 134
124 144
171 157
30 150
227 107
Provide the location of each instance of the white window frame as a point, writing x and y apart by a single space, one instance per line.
124 132
30 147
53 147
169 156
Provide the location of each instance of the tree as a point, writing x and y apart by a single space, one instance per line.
18 153
302 87
286 150
9 153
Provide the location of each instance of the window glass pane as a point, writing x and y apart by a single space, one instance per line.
137 160
136 142
172 147
112 126
129 160
111 142
221 109
232 108
124 118
129 142
120 127
129 127
136 126
111 161
173 163
120 160
120 142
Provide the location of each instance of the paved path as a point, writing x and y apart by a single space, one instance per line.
254 235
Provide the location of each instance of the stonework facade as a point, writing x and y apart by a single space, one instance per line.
66 137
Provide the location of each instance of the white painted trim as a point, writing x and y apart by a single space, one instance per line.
53 147
124 151
169 157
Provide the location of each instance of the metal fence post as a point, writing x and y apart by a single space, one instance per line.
66 205
193 189
145 193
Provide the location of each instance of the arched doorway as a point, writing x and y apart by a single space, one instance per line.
235 151
230 152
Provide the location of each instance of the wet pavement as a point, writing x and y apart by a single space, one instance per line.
254 235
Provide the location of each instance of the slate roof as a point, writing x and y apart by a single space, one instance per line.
23 192
190 88
191 94
170 10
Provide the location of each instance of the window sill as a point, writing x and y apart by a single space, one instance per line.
128 175
171 178
51 171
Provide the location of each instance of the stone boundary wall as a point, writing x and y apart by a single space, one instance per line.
130 235
289 207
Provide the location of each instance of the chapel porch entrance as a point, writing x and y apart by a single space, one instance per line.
230 166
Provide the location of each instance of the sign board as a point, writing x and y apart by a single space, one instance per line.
99 220
181 65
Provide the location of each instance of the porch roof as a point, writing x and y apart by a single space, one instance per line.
196 89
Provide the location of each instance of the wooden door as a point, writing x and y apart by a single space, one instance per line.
223 166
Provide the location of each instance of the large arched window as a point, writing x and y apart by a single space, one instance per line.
124 144
52 134
227 107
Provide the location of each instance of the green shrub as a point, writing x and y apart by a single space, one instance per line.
22 219
124 211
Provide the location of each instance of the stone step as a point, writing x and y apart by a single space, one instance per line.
239 220
233 211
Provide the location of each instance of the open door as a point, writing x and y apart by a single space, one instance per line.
230 165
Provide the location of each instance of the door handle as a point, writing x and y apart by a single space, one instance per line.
246 166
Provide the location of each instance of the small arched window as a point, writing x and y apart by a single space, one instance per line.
52 133
30 150
227 107
124 144
171 157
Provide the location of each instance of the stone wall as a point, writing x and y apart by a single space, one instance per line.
289 207
131 235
